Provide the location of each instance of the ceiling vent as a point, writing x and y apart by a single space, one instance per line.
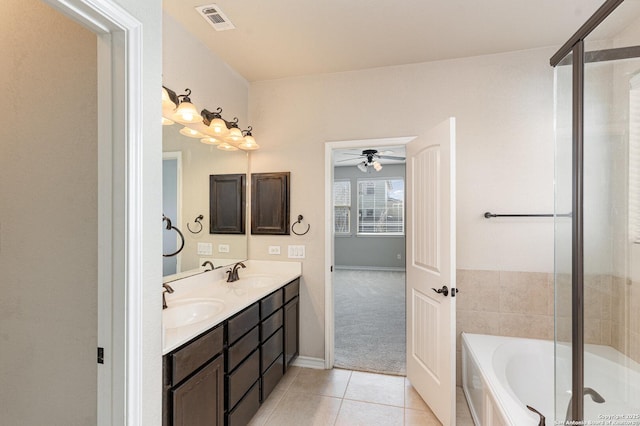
215 17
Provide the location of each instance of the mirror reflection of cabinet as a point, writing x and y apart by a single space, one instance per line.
270 203
226 204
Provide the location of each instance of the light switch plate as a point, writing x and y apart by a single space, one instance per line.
274 249
205 249
223 248
296 252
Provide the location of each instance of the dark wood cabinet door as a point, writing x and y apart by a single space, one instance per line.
291 326
199 401
226 204
270 203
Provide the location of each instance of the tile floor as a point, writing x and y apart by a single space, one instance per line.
348 398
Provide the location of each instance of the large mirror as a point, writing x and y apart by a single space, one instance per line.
187 166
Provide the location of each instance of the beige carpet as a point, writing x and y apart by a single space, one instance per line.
370 321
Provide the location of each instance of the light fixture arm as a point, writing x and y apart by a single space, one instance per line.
185 98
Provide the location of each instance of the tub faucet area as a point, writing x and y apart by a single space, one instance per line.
595 396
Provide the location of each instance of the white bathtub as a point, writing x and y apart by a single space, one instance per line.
502 375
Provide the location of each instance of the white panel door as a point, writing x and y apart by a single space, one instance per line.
431 265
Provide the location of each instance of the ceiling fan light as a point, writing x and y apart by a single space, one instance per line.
377 166
362 166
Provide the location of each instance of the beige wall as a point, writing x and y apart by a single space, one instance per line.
504 110
48 218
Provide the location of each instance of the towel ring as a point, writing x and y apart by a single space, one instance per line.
300 217
170 227
197 220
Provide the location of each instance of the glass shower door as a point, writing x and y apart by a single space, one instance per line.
609 286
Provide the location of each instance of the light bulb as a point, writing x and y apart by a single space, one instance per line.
218 127
226 147
191 133
210 141
187 113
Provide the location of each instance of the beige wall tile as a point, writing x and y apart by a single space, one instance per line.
524 292
479 290
522 325
477 322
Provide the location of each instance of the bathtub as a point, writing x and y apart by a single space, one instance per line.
502 375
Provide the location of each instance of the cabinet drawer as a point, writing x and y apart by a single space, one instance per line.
190 357
242 322
291 290
271 349
269 304
242 378
242 348
271 324
244 411
272 376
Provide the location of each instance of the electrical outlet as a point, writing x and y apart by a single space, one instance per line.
205 249
296 252
274 249
223 248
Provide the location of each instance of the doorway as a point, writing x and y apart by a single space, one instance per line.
361 277
369 259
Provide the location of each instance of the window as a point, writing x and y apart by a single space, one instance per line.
381 206
342 206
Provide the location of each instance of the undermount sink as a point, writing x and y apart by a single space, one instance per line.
254 281
190 311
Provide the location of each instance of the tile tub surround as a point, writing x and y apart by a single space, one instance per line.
213 285
521 304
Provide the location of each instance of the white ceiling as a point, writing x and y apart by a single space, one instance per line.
285 38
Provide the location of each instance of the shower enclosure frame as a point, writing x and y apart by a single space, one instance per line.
573 52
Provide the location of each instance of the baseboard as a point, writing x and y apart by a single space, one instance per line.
309 362
370 268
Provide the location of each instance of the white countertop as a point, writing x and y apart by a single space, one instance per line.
213 285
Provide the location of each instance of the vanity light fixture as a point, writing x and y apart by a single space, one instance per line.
249 142
224 146
186 111
210 127
217 126
235 134
187 131
210 141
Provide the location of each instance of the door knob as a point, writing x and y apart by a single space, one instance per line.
444 290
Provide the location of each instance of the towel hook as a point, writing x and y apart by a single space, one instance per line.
300 217
197 220
170 227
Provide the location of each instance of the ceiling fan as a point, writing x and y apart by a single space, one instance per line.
370 159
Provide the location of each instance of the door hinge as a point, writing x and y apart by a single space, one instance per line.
331 269
100 355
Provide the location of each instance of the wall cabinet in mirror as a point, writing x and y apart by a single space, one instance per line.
270 203
226 204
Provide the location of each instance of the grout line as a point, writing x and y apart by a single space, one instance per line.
344 394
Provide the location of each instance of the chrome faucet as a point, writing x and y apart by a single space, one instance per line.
208 262
167 289
233 272
595 397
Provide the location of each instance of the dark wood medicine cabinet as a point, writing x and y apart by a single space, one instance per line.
270 203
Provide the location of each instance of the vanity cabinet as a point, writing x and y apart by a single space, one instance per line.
222 376
193 385
291 313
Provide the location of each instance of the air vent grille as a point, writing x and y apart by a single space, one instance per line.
215 17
